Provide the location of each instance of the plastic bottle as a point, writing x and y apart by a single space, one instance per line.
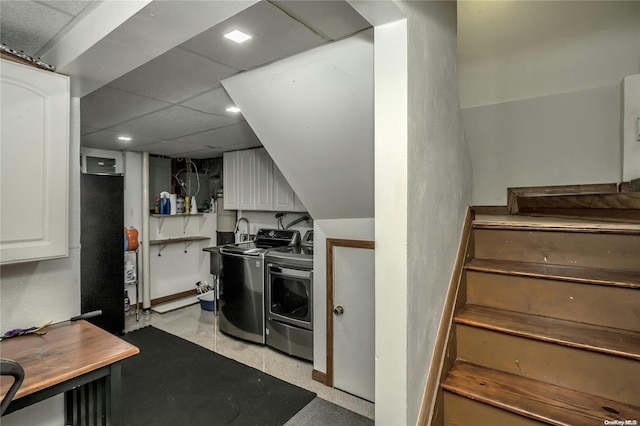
131 238
129 272
127 302
194 205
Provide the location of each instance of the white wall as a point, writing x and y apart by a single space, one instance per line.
391 203
313 113
259 219
439 181
541 86
631 144
35 293
175 271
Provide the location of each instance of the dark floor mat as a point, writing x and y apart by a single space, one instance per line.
176 382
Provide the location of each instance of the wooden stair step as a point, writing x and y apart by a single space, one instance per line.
611 341
546 223
533 399
610 277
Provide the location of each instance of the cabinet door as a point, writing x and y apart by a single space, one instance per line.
246 174
264 180
231 181
282 192
34 160
297 204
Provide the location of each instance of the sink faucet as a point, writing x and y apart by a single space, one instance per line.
242 219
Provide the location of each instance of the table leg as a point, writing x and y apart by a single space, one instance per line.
114 395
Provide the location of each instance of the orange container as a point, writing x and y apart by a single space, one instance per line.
131 238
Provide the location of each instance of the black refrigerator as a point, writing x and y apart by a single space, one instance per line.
102 249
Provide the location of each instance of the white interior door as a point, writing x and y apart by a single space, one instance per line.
354 324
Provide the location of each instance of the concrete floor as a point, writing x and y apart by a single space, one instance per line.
200 327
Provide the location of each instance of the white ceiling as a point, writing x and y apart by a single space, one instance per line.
174 104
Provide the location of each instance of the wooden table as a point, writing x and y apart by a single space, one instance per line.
76 358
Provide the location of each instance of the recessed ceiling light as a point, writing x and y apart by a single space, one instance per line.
238 36
233 109
124 138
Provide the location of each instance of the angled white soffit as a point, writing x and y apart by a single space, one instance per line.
314 114
119 36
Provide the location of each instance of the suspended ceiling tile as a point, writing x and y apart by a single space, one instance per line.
70 7
174 76
205 153
172 122
234 134
106 139
108 106
169 148
334 19
28 26
87 129
215 101
275 36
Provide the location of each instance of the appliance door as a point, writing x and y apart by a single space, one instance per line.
290 295
242 297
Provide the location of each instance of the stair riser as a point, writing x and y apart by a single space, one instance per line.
603 375
609 251
461 411
592 304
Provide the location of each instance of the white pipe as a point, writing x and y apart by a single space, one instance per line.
146 252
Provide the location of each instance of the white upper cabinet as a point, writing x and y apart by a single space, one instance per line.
247 179
264 180
252 181
34 160
282 192
230 183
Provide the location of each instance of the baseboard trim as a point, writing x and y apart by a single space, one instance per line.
172 297
319 376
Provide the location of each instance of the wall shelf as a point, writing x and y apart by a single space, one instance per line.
185 216
186 240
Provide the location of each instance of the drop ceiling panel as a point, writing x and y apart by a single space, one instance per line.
172 122
170 148
70 7
106 139
213 102
174 76
28 26
206 153
334 19
275 36
235 134
108 106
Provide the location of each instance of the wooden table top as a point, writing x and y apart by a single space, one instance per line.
68 350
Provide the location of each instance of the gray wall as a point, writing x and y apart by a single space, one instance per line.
541 85
439 189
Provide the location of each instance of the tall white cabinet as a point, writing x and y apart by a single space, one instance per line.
34 163
252 181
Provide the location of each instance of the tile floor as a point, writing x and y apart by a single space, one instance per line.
199 326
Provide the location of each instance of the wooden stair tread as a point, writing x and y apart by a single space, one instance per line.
537 400
546 223
612 341
618 278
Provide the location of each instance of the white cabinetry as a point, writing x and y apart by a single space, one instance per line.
264 180
252 181
34 163
231 185
247 179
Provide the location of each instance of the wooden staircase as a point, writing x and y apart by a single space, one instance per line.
547 329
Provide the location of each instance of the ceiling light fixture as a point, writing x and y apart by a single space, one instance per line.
124 138
233 109
238 36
